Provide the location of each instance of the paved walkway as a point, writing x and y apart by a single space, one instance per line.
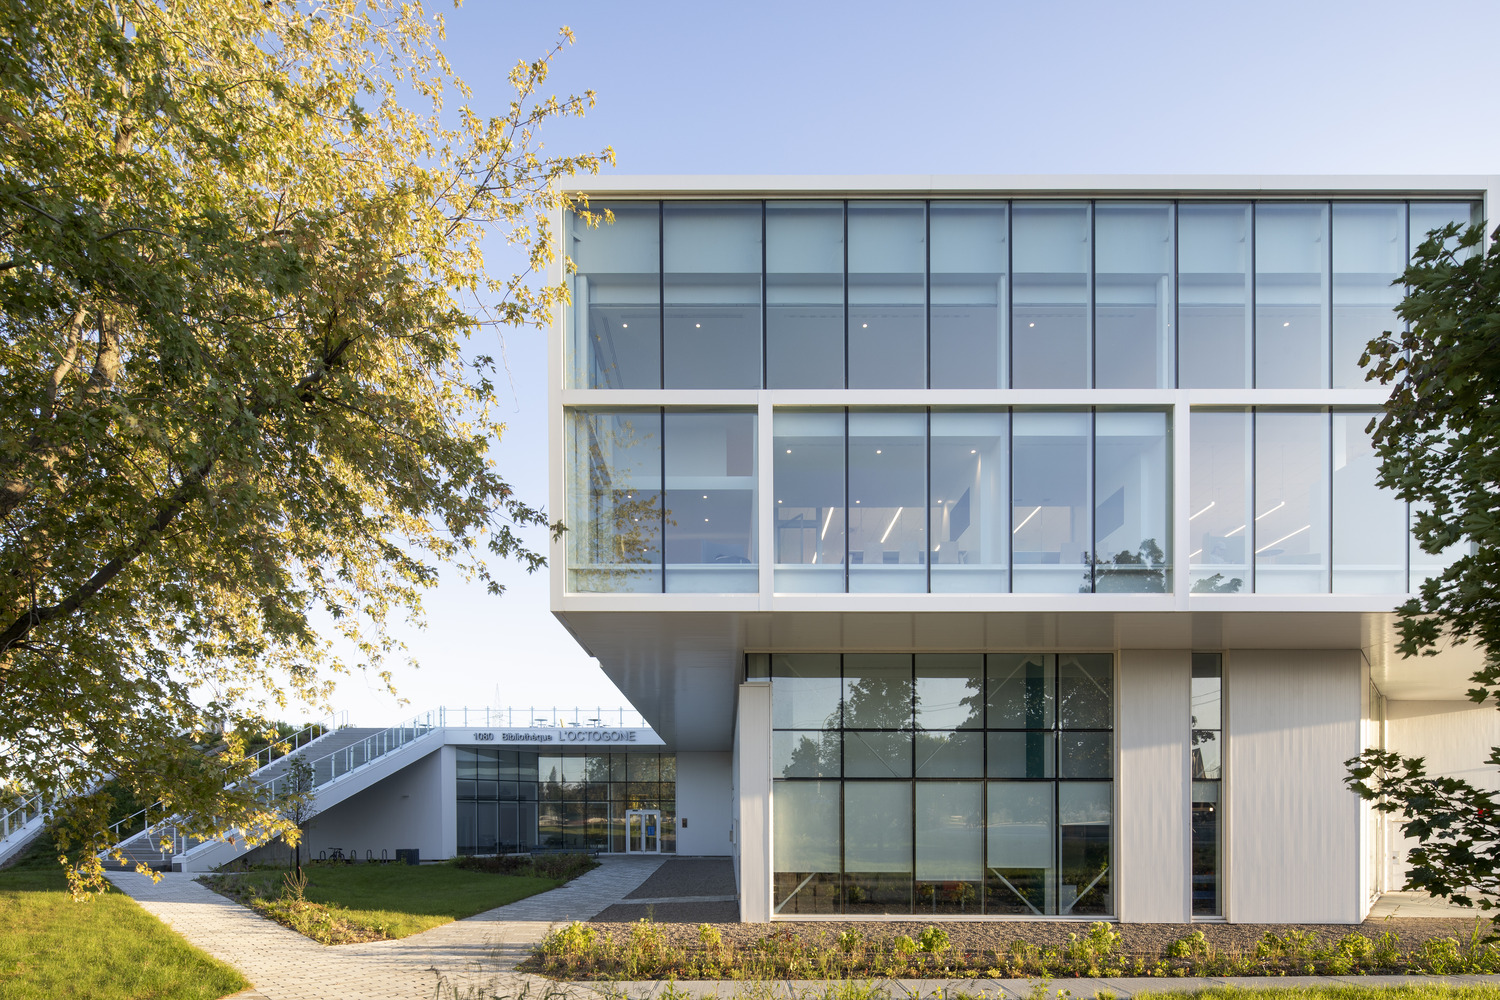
467 958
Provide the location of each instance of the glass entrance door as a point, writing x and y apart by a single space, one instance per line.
643 831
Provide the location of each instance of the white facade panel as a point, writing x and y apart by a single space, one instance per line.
1152 729
395 813
1292 826
753 784
703 804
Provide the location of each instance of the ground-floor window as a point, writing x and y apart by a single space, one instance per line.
1208 781
943 783
511 800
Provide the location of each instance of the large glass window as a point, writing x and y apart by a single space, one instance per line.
617 297
805 295
1219 526
1050 530
1132 509
1429 215
710 502
1016 819
809 485
1133 299
1208 778
1050 314
887 295
1291 295
1369 254
1291 503
970 526
1214 284
614 501
887 502
711 293
970 271
1369 536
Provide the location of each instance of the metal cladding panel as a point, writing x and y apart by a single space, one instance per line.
753 842
1153 728
1292 827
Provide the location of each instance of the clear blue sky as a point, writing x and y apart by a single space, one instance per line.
1316 86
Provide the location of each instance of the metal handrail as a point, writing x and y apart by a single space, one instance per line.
21 814
544 717
367 751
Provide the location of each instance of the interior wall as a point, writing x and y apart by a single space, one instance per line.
703 804
1292 827
1153 727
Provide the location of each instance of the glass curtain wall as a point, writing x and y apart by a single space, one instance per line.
887 284
1133 296
1215 285
1050 311
1207 769
1369 523
1132 523
970 462
810 486
942 784
711 295
887 510
1222 497
582 798
709 522
1292 261
617 297
1369 254
497 800
614 501
1049 504
805 295
970 277
1291 529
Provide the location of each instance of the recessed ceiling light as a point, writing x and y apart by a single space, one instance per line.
973 451
877 451
1286 324
856 501
705 496
705 520
789 451
865 326
698 326
625 326
1032 324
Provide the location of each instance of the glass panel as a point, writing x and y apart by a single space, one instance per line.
1019 848
970 537
617 298
809 483
1429 215
1206 848
950 755
1291 502
1291 296
1132 296
1020 690
1050 502
1085 690
950 690
711 292
804 754
1050 317
1022 755
1369 524
878 847
1207 692
806 690
877 691
804 295
1218 526
877 754
1133 537
1208 755
1085 755
970 261
710 503
468 828
466 763
950 846
614 502
805 844
1083 826
1213 296
643 767
887 503
887 295
1369 253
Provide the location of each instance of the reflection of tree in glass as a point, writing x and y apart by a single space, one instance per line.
1141 572
814 758
880 701
623 524
1217 584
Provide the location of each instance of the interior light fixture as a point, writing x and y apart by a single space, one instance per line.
705 496
856 501
697 326
864 326
705 520
625 326
877 451
1236 531
936 547
1191 554
789 451
1031 324
1272 510
973 451
1286 324
1023 523
780 501
826 522
890 527
1282 539
1204 510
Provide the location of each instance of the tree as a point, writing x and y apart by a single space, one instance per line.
1439 446
294 796
240 260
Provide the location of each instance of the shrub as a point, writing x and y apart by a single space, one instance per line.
933 939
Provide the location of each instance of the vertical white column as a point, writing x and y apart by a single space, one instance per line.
753 846
1153 845
448 810
1182 498
766 514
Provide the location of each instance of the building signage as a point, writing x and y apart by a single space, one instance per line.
556 737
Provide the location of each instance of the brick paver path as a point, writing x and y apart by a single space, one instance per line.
468 958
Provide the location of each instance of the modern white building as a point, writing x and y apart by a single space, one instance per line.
1005 546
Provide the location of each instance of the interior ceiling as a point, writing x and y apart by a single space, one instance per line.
681 669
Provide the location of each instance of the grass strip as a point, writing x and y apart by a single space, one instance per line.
104 948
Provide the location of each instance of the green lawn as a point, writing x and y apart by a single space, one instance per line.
1423 991
375 902
107 948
